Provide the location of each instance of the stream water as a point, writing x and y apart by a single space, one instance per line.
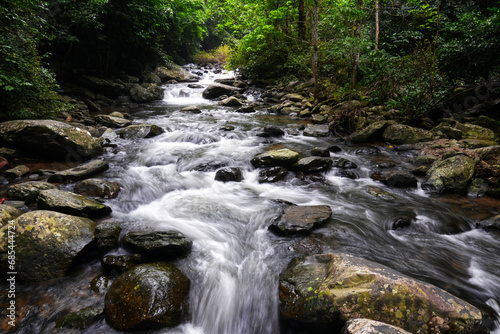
167 183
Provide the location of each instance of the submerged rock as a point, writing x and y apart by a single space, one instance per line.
49 139
70 203
28 191
301 219
80 172
166 244
47 242
334 288
148 296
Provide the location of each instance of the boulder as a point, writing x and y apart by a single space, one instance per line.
272 174
165 244
321 152
176 73
216 90
371 131
112 121
97 188
471 131
404 134
28 191
314 164
231 102
150 77
450 175
228 174
148 296
47 242
317 130
49 139
365 326
146 92
141 131
8 213
109 88
284 158
106 236
334 288
400 179
16 172
80 172
300 219
271 131
70 203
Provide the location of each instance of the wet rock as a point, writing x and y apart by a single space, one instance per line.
216 90
80 172
47 242
334 149
100 284
381 193
82 319
210 166
16 172
49 139
491 224
400 179
332 288
118 264
176 73
149 296
28 191
140 131
320 152
231 102
450 175
8 213
317 130
112 122
404 134
367 151
107 236
164 244
272 174
371 131
477 188
191 110
97 188
284 158
311 177
246 110
229 174
347 174
271 131
314 164
70 203
401 222
344 163
365 326
301 219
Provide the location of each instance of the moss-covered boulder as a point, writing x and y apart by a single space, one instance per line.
47 242
97 188
8 213
284 158
176 73
49 139
80 172
70 203
147 92
314 164
148 296
28 191
165 244
301 219
471 131
404 134
140 131
373 130
451 175
334 288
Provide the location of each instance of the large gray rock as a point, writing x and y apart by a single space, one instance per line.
80 172
146 93
47 242
140 131
70 203
28 191
301 219
284 158
450 175
216 90
148 296
404 134
333 288
158 244
317 130
49 139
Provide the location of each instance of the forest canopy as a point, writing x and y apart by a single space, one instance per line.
404 52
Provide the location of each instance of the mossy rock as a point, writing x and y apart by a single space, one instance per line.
451 175
8 213
148 296
97 188
372 131
165 244
47 242
334 288
284 158
471 131
28 191
70 203
404 134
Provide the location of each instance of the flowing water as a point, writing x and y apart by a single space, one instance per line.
168 184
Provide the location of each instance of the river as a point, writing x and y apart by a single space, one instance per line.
167 183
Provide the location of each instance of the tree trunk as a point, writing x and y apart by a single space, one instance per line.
302 20
377 31
314 40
